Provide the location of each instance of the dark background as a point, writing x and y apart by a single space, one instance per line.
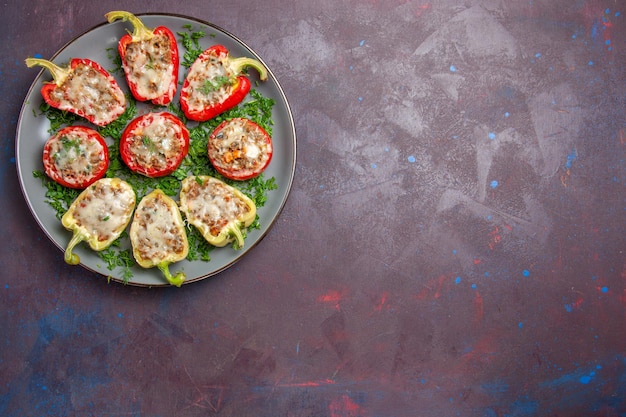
453 244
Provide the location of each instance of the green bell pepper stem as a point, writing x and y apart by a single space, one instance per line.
58 73
176 280
240 63
70 257
140 31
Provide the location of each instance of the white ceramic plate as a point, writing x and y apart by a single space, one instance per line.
32 133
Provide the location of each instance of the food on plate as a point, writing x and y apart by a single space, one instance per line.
99 215
154 144
218 210
215 83
76 157
149 59
240 149
84 88
157 235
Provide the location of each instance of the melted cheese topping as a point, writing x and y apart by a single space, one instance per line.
155 143
90 93
209 82
149 66
104 209
75 156
157 232
212 205
240 147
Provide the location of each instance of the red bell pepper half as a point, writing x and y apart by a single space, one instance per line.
240 149
76 157
84 88
215 83
150 60
154 144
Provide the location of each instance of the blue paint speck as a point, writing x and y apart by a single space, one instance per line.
607 42
507 114
526 272
494 184
457 280
492 135
520 325
452 68
474 286
605 289
570 158
538 55
362 42
454 251
568 308
590 63
360 99
374 166
617 14
585 379
607 11
38 56
6 286
411 159
120 315
574 36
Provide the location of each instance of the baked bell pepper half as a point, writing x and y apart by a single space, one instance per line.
84 88
219 211
215 83
150 59
154 144
157 235
240 149
99 215
76 157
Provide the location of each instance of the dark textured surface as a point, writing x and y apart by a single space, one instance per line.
452 245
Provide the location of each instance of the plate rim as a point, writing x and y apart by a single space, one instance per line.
292 155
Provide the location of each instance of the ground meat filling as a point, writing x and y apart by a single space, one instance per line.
148 65
210 83
156 145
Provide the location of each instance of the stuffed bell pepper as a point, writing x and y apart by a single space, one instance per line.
219 211
149 58
215 83
76 157
84 88
240 149
157 235
99 215
154 144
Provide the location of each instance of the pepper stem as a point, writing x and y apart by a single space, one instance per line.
69 257
176 280
58 73
238 64
140 31
235 232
